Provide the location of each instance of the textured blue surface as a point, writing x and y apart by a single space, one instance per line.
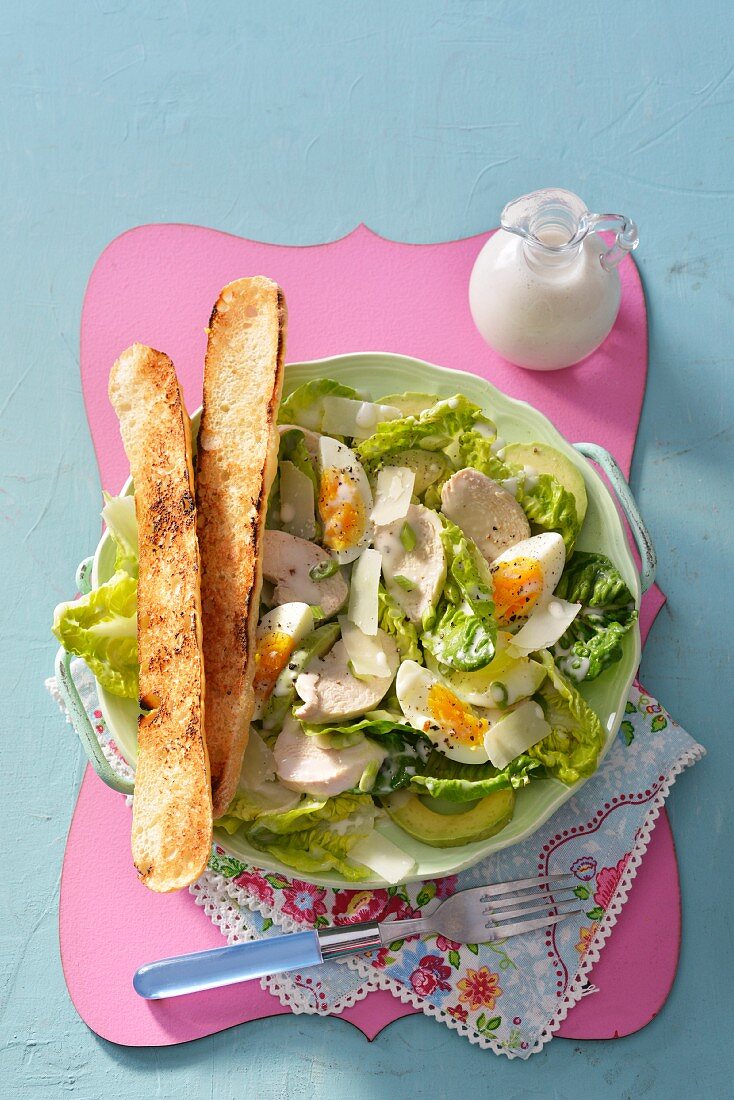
293 122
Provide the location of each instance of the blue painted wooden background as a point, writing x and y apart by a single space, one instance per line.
292 122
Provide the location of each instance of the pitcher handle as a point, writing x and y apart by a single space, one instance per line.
626 240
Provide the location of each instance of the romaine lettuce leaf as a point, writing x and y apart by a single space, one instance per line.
122 523
375 723
249 804
407 753
548 506
571 750
407 750
462 632
304 406
101 627
475 450
438 428
445 778
593 642
318 834
392 620
293 448
241 810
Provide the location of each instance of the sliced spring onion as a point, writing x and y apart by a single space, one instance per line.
324 569
405 583
369 775
407 537
498 691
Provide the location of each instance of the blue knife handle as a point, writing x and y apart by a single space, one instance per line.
227 965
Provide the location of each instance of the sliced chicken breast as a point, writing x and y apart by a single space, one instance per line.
303 765
485 511
330 691
287 564
413 577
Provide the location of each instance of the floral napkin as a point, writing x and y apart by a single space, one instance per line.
512 995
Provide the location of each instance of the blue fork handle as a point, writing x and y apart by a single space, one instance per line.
627 502
227 965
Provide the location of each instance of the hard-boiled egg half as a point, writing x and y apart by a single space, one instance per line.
525 576
431 707
505 680
278 634
345 500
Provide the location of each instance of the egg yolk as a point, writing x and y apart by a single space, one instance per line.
453 716
272 654
341 508
517 587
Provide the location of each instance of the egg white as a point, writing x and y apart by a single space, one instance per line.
510 676
294 619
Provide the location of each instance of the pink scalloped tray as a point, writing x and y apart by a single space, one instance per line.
156 284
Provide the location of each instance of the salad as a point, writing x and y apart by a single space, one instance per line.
425 624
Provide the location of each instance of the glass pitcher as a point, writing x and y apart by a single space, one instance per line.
544 291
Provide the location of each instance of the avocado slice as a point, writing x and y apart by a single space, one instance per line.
428 466
547 460
410 404
425 818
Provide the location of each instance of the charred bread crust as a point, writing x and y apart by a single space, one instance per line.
172 810
236 462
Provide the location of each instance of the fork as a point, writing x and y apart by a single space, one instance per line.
483 914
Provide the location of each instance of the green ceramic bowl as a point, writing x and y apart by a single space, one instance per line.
382 373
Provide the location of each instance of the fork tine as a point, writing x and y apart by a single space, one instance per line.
523 911
524 884
528 895
501 932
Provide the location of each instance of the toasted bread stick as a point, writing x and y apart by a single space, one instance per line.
236 462
172 808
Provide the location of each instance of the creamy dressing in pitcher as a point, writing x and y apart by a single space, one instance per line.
544 291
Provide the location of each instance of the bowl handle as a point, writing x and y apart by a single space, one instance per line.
83 576
628 505
75 708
